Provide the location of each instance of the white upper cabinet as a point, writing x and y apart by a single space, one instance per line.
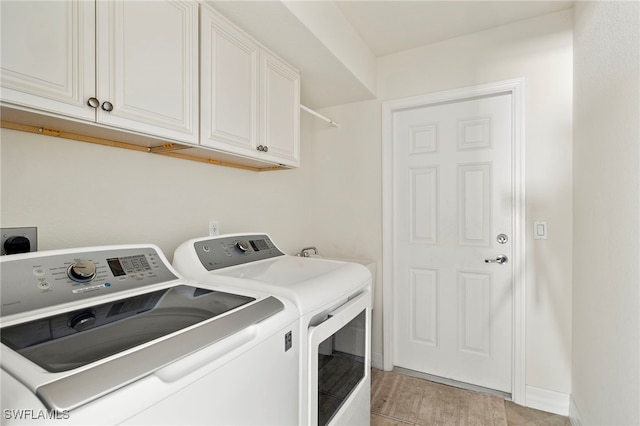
147 67
128 65
280 110
250 99
48 56
229 64
146 73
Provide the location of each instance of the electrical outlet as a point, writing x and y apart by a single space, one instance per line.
214 227
18 240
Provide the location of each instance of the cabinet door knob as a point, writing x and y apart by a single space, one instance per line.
107 106
265 148
260 148
93 102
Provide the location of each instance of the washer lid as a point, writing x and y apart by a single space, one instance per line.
70 340
66 391
311 283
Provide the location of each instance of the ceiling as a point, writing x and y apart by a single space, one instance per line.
392 26
315 36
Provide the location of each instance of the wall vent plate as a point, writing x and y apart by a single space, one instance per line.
30 233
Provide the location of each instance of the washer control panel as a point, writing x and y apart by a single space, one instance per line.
45 279
225 251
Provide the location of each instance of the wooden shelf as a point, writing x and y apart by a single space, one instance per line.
48 125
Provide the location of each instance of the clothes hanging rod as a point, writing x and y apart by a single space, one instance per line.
312 112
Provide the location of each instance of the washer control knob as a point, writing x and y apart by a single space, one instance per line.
243 246
82 320
82 271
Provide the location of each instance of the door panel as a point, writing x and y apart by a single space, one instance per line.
424 205
474 204
453 196
424 306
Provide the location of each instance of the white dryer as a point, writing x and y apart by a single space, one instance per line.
113 335
334 299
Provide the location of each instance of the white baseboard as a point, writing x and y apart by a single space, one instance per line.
574 414
547 400
376 360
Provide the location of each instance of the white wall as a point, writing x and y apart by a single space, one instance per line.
346 206
606 290
347 166
80 194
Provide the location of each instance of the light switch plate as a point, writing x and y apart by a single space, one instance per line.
31 233
540 230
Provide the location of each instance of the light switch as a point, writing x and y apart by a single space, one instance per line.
540 230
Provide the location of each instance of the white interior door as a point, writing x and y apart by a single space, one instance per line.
453 197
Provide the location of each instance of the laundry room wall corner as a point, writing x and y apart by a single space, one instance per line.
346 184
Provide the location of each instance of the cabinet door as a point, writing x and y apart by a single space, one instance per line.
47 56
147 67
229 78
280 110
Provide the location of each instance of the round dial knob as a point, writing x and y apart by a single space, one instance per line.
82 321
82 271
242 245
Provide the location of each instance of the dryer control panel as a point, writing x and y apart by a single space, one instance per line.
44 279
231 250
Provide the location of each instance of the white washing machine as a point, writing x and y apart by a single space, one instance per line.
334 299
113 335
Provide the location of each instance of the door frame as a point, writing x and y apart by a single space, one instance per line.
515 88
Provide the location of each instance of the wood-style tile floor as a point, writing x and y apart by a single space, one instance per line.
518 415
399 400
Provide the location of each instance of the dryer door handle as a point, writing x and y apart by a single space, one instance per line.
343 313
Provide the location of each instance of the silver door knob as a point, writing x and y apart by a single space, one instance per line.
499 260
93 102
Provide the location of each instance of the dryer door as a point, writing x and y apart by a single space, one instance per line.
340 361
